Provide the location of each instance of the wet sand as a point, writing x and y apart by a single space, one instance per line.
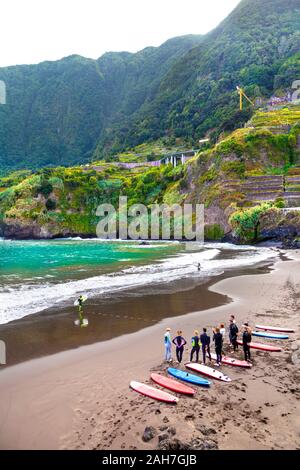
80 398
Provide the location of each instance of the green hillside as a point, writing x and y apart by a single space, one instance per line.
76 109
57 111
251 172
256 47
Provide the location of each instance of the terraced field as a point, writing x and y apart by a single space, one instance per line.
283 118
256 189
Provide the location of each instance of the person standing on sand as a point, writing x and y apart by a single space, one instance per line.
218 339
168 345
205 342
247 337
179 342
233 332
222 331
195 346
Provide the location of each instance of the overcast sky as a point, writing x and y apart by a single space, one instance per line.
35 30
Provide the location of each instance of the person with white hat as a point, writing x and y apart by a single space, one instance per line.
168 345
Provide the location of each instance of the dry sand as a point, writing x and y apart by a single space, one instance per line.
80 399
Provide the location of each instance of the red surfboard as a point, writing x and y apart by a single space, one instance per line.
153 392
172 384
275 328
231 361
262 347
209 371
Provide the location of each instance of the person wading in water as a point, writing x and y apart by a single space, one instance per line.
80 309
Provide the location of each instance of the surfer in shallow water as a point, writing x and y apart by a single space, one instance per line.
179 342
80 309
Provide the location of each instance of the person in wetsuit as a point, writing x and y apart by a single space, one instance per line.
168 345
179 342
80 309
205 343
218 339
247 337
195 346
233 334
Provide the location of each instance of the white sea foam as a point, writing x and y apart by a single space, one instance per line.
23 300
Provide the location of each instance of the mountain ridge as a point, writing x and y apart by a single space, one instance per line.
78 109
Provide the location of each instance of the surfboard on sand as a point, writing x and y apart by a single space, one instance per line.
231 361
84 323
262 347
152 392
172 384
187 377
209 371
84 298
263 334
278 329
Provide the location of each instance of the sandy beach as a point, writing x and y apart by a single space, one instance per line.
80 398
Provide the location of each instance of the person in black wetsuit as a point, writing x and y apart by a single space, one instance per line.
205 342
195 346
247 337
233 332
218 339
179 342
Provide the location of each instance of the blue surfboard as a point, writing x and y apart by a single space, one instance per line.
269 335
187 377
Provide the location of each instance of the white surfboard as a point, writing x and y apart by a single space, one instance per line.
84 298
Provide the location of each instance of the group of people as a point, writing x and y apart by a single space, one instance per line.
203 341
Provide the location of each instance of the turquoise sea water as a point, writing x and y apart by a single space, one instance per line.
65 259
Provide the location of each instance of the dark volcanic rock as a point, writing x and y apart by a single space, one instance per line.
278 225
149 433
195 444
163 437
21 230
205 430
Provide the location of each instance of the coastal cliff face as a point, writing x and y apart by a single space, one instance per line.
245 182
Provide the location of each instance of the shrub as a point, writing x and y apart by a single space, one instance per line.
279 203
245 222
45 188
50 204
213 232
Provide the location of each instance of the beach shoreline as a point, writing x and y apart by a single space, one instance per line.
81 398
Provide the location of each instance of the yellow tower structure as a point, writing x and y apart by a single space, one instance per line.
243 94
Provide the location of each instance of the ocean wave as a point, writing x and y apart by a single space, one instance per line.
28 299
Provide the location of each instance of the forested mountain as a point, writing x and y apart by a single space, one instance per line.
256 47
77 109
56 111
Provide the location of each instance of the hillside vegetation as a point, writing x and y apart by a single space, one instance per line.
76 110
251 161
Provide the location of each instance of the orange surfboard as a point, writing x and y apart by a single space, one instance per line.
172 384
